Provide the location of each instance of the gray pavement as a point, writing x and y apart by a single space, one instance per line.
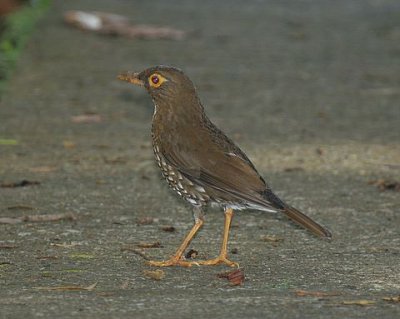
309 89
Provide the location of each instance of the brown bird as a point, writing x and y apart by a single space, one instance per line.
201 163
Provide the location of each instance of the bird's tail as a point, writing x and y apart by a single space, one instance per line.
305 221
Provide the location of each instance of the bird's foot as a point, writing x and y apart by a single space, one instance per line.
218 261
172 262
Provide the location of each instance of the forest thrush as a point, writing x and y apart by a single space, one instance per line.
201 163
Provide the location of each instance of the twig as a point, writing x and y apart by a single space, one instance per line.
38 218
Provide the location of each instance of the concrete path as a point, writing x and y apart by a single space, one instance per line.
309 89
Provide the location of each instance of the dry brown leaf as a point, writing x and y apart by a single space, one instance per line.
38 218
361 302
271 238
168 229
69 144
305 293
114 24
154 274
69 288
146 220
384 185
22 183
7 246
49 217
235 277
155 244
392 299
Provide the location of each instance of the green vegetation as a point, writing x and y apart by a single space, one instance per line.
17 28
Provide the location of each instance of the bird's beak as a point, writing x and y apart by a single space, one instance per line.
131 77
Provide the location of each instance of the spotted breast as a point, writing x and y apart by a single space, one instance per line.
194 194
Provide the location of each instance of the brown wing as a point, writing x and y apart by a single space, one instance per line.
232 177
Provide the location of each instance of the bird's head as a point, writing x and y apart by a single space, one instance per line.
163 83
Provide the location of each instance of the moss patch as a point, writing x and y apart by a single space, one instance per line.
17 28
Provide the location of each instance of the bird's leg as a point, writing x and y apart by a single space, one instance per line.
222 258
176 259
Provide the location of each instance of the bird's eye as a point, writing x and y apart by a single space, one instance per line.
155 80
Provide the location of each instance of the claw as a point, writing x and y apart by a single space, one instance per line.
219 261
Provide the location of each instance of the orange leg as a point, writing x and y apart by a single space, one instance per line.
222 258
176 259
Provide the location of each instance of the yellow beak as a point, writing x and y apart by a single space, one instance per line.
131 77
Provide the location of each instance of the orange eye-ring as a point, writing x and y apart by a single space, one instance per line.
155 80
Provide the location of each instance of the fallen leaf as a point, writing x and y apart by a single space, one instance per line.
392 299
69 288
305 293
168 229
155 244
235 277
6 141
154 274
38 218
384 185
361 302
191 254
22 183
117 25
49 217
146 220
7 246
86 118
69 144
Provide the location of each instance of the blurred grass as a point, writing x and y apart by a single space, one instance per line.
16 30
